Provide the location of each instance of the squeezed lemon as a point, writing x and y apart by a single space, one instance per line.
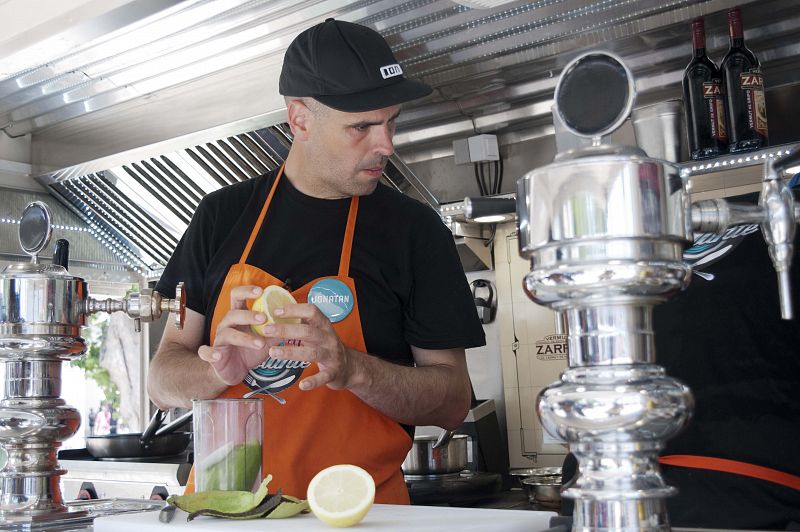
341 495
273 297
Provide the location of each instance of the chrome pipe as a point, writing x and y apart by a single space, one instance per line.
613 334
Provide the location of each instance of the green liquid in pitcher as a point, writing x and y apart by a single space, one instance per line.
238 470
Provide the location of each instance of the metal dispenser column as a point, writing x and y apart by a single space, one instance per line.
605 228
42 310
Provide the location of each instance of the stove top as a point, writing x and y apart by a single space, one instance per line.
456 489
87 476
186 457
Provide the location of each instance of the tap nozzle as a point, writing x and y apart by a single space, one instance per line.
779 225
144 306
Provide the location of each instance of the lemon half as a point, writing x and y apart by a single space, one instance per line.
271 298
341 495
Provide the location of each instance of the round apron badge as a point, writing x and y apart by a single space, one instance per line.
333 298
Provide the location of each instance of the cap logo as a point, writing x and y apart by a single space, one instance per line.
390 71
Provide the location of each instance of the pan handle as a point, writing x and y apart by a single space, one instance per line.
150 431
175 424
443 439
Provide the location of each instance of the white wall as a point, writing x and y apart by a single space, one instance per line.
484 364
532 356
485 367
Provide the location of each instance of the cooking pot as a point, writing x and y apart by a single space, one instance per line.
154 441
436 455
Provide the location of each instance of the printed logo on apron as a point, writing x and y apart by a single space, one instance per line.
709 248
272 375
333 298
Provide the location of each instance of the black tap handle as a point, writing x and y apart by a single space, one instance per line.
61 253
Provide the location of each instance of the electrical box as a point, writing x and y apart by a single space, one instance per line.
477 149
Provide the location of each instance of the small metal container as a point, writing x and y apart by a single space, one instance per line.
660 130
544 491
538 473
425 459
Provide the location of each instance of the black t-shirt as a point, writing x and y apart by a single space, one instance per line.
409 283
724 338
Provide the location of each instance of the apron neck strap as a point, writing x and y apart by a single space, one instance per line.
347 245
262 214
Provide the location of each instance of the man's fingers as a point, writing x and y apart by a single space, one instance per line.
209 354
315 381
240 295
239 338
302 331
305 311
238 318
293 352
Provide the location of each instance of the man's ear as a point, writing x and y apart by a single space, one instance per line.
300 118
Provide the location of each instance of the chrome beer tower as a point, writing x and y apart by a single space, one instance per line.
605 228
42 310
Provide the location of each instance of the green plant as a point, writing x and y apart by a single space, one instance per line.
95 332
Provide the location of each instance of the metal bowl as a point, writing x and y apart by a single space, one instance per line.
543 491
539 473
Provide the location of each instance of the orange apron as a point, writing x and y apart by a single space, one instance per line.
732 466
322 427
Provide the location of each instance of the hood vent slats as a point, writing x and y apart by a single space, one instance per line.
245 147
122 220
157 189
145 206
195 154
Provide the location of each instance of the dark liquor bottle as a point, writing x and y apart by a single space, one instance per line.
704 101
744 92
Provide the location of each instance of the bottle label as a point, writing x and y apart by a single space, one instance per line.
712 92
752 83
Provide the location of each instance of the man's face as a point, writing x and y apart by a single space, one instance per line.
350 150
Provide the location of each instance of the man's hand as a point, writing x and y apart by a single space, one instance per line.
236 348
436 391
318 342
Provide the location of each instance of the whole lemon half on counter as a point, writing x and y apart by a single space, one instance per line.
271 298
341 495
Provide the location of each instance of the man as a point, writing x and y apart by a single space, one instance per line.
390 354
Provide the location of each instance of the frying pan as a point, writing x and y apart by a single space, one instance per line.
150 443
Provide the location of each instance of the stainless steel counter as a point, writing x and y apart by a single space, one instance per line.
81 514
515 499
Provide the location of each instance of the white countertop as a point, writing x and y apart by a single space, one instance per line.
381 518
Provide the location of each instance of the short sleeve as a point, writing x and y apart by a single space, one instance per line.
439 313
190 260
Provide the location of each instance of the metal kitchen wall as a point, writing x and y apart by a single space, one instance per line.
92 255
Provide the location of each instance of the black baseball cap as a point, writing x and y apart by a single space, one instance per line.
348 67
